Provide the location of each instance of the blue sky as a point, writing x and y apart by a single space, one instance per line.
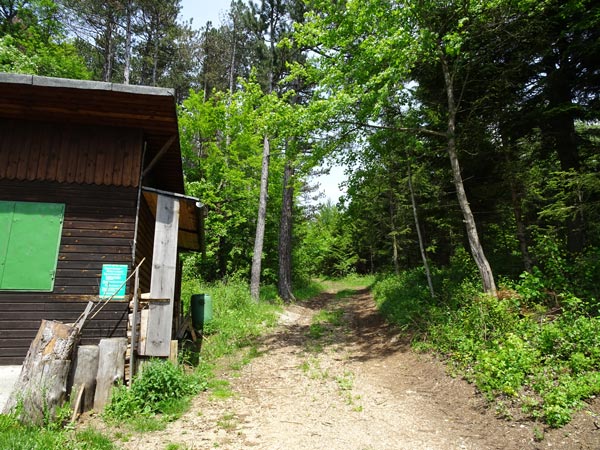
204 10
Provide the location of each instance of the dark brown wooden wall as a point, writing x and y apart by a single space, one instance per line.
69 154
98 229
145 244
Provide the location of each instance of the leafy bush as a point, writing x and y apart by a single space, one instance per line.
154 390
405 299
538 346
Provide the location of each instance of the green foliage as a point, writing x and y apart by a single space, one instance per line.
237 319
404 299
504 367
515 346
327 247
160 387
33 42
222 143
15 436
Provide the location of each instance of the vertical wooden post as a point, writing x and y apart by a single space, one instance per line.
111 368
134 325
174 352
86 368
162 285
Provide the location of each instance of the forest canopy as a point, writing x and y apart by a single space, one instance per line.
462 126
470 136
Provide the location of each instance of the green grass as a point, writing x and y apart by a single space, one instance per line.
518 353
237 319
15 436
348 284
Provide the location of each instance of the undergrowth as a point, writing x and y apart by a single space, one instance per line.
52 436
531 347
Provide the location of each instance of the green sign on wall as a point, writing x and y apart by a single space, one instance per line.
112 283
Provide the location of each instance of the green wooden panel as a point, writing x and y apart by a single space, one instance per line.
6 216
32 252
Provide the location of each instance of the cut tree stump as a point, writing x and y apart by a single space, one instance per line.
42 383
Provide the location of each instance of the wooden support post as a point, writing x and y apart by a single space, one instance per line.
162 285
42 383
134 326
111 369
84 374
174 351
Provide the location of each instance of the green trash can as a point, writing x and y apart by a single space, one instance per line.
201 306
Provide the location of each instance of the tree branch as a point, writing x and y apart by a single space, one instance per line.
418 130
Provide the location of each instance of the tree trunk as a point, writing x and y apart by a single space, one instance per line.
108 51
393 233
559 135
233 57
42 383
518 213
419 235
128 33
487 277
155 58
260 223
284 285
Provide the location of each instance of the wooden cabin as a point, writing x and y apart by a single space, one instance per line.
91 183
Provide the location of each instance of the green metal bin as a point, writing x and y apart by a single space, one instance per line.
201 306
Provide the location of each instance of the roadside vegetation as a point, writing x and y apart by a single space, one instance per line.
461 127
533 351
162 391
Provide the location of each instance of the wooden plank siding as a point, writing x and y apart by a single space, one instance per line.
19 322
98 229
82 144
145 244
67 154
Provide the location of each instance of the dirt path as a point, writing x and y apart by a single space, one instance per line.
352 385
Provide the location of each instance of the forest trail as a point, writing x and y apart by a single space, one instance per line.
346 380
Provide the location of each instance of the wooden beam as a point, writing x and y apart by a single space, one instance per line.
162 284
134 326
159 155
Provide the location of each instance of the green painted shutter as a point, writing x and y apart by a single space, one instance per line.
32 248
6 215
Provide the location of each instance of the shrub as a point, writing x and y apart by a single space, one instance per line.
153 390
538 346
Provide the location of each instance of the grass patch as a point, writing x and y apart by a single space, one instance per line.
220 389
229 421
308 290
517 351
349 283
333 317
237 319
15 436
